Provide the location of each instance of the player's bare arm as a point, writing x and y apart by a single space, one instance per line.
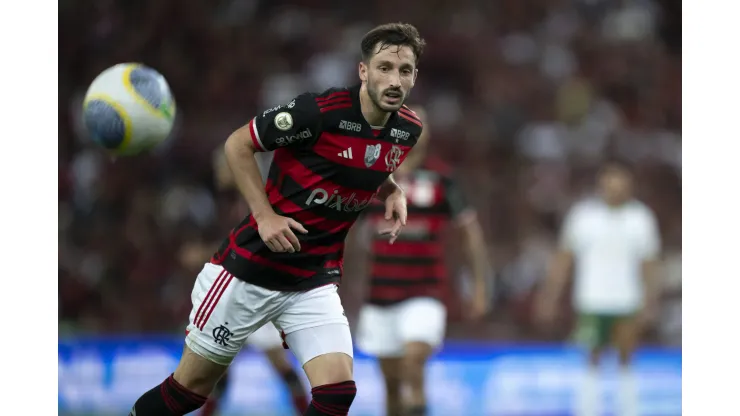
388 187
395 207
275 230
651 280
650 269
559 272
474 246
554 285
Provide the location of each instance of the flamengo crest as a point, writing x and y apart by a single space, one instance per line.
393 158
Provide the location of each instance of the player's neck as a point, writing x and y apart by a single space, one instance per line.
615 203
373 115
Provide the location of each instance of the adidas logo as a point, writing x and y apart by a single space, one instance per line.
347 154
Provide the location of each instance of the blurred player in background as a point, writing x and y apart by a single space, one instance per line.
612 244
266 339
334 153
405 318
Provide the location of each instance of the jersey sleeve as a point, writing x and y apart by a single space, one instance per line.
459 208
294 124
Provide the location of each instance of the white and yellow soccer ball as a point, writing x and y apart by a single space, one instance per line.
129 109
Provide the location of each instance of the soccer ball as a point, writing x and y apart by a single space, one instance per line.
129 109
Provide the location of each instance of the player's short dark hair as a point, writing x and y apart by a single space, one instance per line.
392 34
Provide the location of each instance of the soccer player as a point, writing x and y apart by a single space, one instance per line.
266 339
612 243
334 153
404 320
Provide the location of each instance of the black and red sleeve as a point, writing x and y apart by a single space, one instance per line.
460 210
294 124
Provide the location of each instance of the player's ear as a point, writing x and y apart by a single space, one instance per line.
362 71
416 74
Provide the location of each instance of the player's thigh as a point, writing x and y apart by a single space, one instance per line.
225 312
198 374
392 369
422 321
377 331
330 350
317 331
625 336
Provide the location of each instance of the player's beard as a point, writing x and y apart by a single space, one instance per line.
377 98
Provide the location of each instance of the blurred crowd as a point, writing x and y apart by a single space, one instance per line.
525 98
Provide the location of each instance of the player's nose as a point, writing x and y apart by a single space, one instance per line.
395 80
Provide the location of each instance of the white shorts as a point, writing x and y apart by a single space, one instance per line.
226 311
266 338
383 331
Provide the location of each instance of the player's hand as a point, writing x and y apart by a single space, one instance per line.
277 233
395 209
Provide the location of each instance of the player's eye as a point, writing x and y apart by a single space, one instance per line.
406 72
383 68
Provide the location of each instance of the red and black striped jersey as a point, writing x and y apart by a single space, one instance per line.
327 166
414 266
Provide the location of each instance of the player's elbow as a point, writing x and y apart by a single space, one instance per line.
240 143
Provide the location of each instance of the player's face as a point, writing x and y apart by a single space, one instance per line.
389 75
615 185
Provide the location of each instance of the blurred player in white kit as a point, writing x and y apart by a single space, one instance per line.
611 243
